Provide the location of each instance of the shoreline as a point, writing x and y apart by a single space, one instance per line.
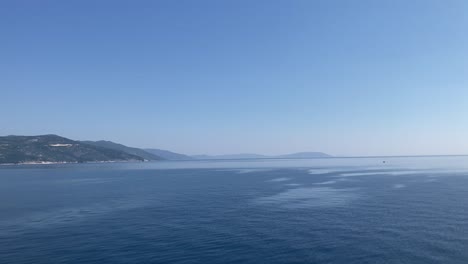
69 162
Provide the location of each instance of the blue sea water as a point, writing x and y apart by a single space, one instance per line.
406 210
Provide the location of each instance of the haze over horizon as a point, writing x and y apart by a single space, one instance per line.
347 78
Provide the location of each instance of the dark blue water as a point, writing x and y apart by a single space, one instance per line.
407 210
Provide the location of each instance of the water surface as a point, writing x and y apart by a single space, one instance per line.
406 210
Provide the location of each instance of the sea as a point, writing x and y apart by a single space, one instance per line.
335 210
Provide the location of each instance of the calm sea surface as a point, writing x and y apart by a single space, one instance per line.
406 210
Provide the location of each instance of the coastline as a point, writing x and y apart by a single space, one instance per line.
68 162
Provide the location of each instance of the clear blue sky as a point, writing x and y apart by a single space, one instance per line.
344 77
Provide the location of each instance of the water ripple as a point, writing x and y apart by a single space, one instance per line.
311 197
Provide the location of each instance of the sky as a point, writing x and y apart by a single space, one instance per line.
349 78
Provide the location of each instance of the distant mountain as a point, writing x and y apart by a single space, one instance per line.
232 156
300 155
304 155
168 155
133 151
53 148
56 149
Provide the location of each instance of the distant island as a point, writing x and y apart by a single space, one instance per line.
299 155
45 149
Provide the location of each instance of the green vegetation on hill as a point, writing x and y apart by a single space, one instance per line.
134 151
53 148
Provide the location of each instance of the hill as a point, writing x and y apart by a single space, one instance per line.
304 155
300 155
133 151
232 156
168 155
53 148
